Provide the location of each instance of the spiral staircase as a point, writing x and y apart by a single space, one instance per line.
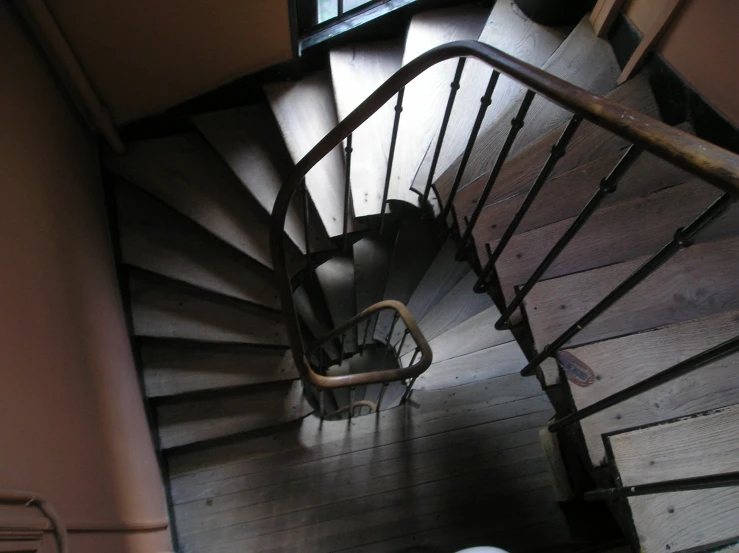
353 385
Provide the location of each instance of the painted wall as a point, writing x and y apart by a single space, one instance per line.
701 46
144 56
72 423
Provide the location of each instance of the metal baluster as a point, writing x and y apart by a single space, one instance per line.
444 123
306 227
343 343
321 402
516 125
558 151
678 485
683 239
347 177
351 402
366 333
725 349
391 155
340 8
382 395
390 335
413 359
408 390
607 186
400 347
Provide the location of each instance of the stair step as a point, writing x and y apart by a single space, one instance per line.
613 234
168 309
475 334
583 60
510 31
191 420
156 238
426 96
622 362
460 304
371 265
415 248
187 174
699 445
336 277
172 367
698 281
590 143
357 70
305 112
249 140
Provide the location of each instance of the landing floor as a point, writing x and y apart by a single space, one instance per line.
456 467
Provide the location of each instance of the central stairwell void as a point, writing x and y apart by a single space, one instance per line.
337 296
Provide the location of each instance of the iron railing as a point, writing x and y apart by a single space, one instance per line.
714 165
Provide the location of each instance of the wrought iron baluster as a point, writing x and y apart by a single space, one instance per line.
351 402
382 395
306 227
720 351
408 390
391 155
343 343
347 180
516 125
400 346
683 239
678 485
607 186
366 333
444 124
321 402
390 335
558 151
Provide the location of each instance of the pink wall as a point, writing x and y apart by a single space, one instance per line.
72 423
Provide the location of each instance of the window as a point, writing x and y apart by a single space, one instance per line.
332 9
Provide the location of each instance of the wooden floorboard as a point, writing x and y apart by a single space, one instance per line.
357 70
698 281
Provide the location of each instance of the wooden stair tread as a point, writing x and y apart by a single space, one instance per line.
510 31
698 281
622 362
357 70
186 173
613 234
249 140
336 277
167 309
171 368
589 144
426 96
189 421
372 257
583 60
565 195
156 238
305 112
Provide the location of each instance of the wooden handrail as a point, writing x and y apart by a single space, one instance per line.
711 163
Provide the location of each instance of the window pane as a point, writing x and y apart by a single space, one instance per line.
327 9
351 4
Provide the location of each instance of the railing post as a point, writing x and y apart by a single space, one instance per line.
347 180
306 228
391 155
321 402
408 390
382 395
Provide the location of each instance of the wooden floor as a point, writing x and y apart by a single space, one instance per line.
456 467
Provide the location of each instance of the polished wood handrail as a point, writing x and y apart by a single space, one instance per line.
711 163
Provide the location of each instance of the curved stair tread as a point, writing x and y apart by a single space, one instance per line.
336 277
357 70
250 142
172 367
305 112
590 143
192 420
583 60
426 96
187 174
510 31
168 309
566 195
614 234
372 257
156 238
698 281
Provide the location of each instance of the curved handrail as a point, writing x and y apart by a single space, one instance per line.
696 156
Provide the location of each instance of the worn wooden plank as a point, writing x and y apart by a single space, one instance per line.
589 144
699 445
557 468
356 71
614 234
698 281
336 277
187 174
164 309
195 420
372 257
426 96
156 238
603 15
684 520
489 363
172 368
583 60
510 31
306 112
